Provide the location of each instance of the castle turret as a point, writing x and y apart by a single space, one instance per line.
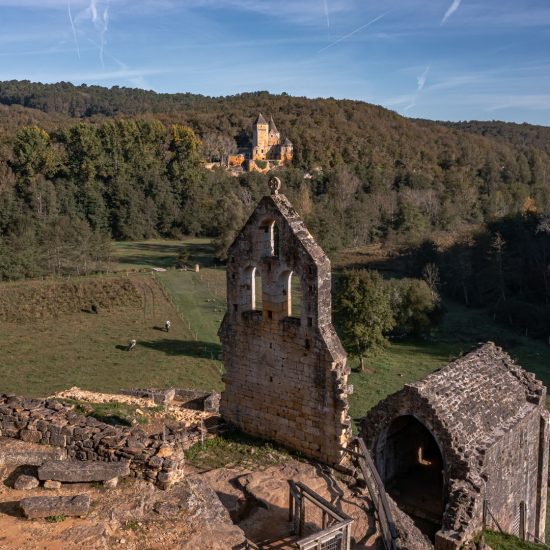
274 134
260 140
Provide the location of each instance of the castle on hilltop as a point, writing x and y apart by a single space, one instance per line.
266 142
267 150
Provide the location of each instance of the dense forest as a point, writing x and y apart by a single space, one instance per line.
82 164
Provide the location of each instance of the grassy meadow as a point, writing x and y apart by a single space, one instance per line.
79 348
44 355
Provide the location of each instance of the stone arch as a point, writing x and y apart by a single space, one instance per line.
252 288
297 296
269 238
412 465
290 285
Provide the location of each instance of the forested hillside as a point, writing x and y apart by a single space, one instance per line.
83 164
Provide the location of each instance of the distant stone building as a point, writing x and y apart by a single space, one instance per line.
467 444
268 150
286 376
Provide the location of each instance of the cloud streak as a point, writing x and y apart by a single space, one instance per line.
452 8
327 17
358 29
421 80
73 28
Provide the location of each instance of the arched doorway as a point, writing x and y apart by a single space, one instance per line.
412 468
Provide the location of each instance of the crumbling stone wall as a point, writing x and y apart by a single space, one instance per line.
489 420
286 377
157 458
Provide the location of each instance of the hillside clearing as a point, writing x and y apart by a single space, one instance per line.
42 356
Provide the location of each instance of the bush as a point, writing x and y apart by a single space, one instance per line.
415 306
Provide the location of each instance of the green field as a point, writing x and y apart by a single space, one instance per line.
200 297
84 353
40 356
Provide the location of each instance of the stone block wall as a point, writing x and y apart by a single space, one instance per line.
512 470
158 458
286 377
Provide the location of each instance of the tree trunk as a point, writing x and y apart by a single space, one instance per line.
362 363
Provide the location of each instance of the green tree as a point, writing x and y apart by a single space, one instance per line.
415 306
363 312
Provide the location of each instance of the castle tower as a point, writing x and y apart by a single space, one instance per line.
287 150
286 373
274 137
260 138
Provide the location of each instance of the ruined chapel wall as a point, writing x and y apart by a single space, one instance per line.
278 389
286 377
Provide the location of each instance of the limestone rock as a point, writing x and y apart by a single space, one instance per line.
82 471
50 484
111 483
42 507
24 482
165 451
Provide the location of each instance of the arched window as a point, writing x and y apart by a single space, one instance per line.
258 302
295 296
292 294
269 238
253 289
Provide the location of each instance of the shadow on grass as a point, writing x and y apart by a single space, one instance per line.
153 261
121 347
191 348
202 254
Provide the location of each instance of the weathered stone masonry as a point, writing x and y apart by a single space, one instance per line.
482 422
158 458
286 377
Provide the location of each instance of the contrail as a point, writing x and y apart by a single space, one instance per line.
102 41
93 10
422 78
326 14
452 8
73 27
355 31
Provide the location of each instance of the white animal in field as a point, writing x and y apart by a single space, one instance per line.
167 326
131 345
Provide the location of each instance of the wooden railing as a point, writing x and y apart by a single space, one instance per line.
377 493
335 527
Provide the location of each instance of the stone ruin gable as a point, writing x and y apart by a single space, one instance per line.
286 377
157 458
488 418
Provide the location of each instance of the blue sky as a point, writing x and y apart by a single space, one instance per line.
437 59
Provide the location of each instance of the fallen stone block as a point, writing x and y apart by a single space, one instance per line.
25 482
111 483
49 484
42 507
82 471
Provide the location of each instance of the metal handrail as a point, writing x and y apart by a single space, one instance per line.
377 492
298 494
